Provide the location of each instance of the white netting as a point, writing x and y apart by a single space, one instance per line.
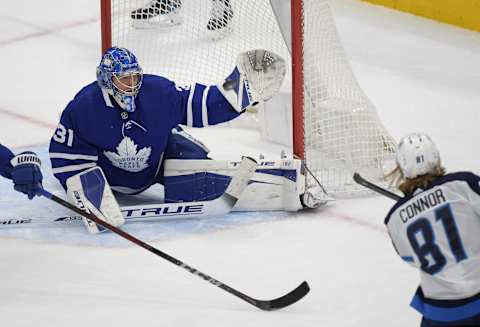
199 40
343 132
189 52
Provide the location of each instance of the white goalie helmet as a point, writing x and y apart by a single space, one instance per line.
417 155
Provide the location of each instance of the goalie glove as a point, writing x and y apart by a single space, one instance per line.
257 76
90 191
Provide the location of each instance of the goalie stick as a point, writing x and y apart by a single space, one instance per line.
233 191
362 181
137 213
146 212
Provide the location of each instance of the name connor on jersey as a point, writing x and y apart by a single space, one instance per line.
426 201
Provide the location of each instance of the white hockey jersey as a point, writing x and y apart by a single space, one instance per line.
438 231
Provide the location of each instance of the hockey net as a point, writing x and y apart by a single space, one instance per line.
335 127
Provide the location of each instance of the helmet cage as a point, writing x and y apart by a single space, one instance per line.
121 76
127 83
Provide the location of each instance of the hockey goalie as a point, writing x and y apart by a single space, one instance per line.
121 134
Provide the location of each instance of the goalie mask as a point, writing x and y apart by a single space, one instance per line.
417 155
121 76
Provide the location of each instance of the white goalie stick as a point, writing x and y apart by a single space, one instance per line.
235 188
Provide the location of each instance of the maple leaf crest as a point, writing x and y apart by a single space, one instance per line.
127 157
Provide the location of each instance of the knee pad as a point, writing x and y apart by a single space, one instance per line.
182 145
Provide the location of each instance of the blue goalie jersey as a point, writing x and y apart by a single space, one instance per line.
129 147
438 231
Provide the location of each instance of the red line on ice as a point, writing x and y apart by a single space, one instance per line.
356 221
27 119
48 31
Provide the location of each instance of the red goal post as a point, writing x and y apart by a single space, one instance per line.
333 124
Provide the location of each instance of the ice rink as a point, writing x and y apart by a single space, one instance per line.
421 75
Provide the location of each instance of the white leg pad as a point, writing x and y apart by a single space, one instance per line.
90 191
276 185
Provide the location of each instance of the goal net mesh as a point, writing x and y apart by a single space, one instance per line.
198 41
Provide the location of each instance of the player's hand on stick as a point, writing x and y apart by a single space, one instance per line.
257 77
26 174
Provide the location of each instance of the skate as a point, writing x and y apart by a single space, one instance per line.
158 13
221 15
314 197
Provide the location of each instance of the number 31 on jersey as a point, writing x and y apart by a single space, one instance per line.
63 135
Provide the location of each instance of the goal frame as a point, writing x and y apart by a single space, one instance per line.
297 66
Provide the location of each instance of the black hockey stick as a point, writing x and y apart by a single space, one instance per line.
362 181
267 305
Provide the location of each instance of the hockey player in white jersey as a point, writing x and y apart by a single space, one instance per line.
436 228
121 132
23 169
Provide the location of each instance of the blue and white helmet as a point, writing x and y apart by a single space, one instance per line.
417 155
121 76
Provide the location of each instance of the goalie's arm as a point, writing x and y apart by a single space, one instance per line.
200 106
5 156
69 153
257 76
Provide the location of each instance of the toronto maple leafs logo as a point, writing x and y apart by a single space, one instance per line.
127 157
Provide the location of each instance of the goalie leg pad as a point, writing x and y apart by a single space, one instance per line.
274 186
90 191
200 186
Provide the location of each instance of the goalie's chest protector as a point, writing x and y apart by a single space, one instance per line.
130 145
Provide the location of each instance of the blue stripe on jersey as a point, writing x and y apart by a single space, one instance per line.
58 163
446 314
446 310
471 179
197 105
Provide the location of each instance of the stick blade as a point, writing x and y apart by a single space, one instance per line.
359 179
286 300
362 181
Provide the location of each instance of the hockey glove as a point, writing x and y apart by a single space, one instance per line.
26 174
257 77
